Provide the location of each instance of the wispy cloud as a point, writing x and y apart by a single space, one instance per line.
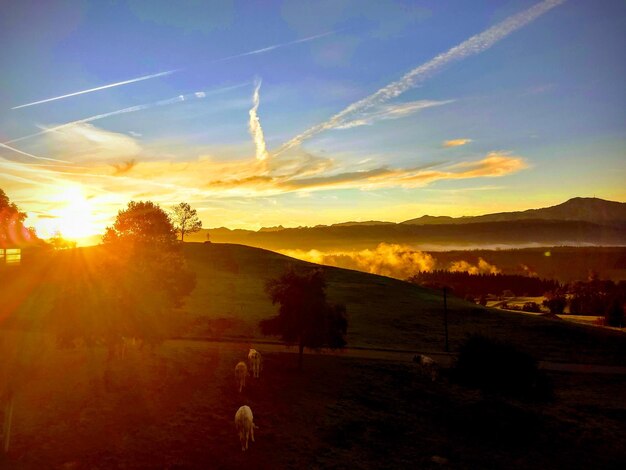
21 152
493 165
390 111
103 87
456 142
131 109
275 46
86 143
255 126
169 72
121 168
472 46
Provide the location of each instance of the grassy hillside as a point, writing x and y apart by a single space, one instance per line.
383 312
173 406
229 300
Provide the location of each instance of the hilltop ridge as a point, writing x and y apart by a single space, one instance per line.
578 221
584 209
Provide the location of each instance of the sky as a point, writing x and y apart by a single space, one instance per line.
308 112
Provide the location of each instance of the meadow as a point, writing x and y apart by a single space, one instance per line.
229 300
173 406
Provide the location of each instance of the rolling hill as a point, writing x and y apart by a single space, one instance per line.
229 300
173 406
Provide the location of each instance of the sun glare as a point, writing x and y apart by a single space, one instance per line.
73 217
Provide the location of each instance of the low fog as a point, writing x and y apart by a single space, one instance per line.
393 260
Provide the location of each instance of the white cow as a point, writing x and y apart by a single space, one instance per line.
254 361
241 371
429 366
130 342
244 422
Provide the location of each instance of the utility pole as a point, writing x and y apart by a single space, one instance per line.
445 317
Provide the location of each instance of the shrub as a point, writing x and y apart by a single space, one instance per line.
500 368
531 307
555 302
614 315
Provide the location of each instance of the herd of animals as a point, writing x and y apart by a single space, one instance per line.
244 420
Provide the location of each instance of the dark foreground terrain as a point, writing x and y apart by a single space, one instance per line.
174 408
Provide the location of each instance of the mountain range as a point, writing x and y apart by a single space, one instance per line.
583 209
578 221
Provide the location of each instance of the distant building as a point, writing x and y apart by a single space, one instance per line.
10 256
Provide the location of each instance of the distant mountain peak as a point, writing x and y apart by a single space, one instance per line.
584 209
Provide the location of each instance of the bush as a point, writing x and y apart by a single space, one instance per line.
499 367
555 302
614 315
531 307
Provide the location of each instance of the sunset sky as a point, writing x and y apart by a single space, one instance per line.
308 112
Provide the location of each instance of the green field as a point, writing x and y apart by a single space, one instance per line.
383 312
229 300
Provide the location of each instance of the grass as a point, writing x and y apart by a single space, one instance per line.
383 312
174 408
229 300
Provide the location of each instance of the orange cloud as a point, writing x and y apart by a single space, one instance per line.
387 259
456 142
483 267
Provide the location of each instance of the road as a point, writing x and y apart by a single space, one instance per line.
445 359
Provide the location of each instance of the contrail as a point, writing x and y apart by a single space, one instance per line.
131 109
169 72
276 46
31 155
474 45
255 126
103 87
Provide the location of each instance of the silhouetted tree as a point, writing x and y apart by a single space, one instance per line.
12 230
615 312
590 297
472 286
531 307
141 222
305 317
555 301
59 243
185 220
141 279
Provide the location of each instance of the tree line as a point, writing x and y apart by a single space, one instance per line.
594 296
464 284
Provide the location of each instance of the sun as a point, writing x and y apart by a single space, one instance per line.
73 216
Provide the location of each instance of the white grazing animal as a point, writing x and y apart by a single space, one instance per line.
244 422
241 371
254 360
429 366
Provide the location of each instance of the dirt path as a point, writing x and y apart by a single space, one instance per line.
445 359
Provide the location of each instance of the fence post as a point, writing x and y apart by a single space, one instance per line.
445 317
